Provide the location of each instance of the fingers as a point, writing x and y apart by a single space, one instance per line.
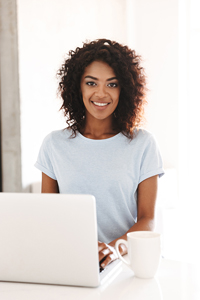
123 249
102 245
103 253
107 254
109 258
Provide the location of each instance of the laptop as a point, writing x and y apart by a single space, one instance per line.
50 239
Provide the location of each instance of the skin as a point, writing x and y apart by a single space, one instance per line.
99 85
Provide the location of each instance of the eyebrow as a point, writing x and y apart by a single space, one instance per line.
94 78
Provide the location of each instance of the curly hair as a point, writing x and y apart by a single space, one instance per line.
129 113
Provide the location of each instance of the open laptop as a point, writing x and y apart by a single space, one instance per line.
50 239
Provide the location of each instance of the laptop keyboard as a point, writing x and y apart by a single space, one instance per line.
101 269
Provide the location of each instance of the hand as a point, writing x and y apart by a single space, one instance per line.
107 254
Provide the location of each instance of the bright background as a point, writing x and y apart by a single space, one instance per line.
166 33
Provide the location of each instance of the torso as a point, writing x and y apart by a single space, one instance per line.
109 168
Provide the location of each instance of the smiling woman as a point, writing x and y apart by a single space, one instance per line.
125 76
102 151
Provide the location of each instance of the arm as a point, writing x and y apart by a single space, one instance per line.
146 198
49 185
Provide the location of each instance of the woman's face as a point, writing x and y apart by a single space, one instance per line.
100 90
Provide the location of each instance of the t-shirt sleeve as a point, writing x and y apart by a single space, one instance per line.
151 163
44 160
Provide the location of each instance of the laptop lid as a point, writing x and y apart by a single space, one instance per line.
48 238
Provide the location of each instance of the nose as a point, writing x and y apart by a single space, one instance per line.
101 91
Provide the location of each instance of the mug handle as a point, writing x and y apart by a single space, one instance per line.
117 250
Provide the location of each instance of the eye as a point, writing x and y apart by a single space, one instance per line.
112 84
91 83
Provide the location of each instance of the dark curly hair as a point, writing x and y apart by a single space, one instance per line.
129 113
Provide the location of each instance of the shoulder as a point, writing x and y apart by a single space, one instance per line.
58 135
143 134
55 139
142 142
142 137
147 139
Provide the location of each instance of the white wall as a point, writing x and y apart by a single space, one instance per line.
156 39
48 29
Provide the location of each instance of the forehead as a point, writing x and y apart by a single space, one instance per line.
99 69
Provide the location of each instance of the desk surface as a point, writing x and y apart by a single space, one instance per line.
174 281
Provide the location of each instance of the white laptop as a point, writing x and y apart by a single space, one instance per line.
50 239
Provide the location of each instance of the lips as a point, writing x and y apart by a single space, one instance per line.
100 104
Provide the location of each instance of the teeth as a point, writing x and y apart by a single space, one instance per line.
100 104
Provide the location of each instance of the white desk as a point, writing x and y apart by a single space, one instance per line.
174 281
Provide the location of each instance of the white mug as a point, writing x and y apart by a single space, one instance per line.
144 252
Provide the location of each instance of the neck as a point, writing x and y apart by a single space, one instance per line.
99 129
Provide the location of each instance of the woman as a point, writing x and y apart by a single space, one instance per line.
102 152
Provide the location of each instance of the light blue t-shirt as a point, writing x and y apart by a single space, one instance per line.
110 169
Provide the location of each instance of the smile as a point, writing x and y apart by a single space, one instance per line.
100 103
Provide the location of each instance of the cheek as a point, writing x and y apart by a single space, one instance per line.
84 94
85 97
116 96
83 90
